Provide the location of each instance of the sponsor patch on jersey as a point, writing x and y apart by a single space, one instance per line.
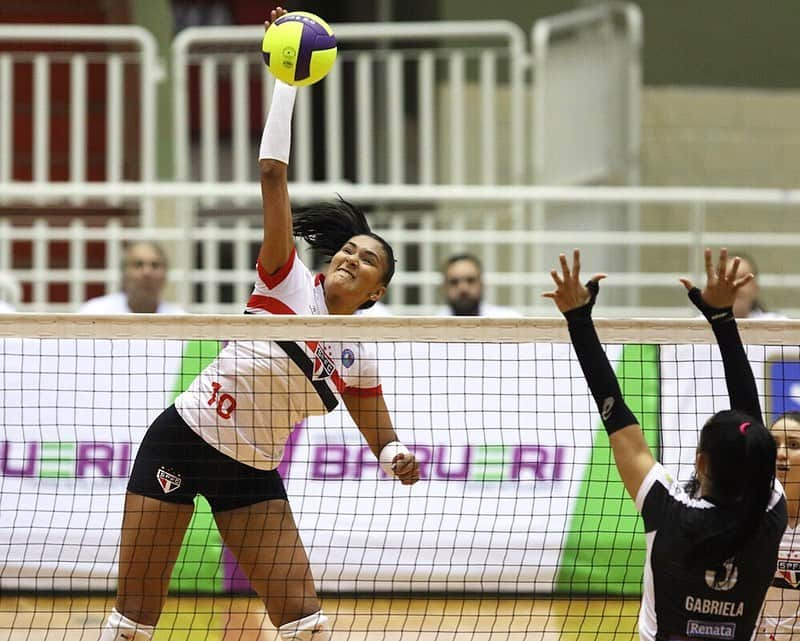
323 363
348 358
169 482
711 629
790 571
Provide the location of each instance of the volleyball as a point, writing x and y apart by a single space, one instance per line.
299 48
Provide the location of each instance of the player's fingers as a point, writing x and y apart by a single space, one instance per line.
709 264
403 464
556 279
576 265
564 266
686 283
734 269
741 282
722 264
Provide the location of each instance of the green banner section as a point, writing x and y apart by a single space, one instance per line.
199 566
605 548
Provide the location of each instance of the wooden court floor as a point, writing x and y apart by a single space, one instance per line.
438 618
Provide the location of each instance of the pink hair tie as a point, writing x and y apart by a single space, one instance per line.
744 426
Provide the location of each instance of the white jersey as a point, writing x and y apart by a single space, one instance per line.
118 304
248 400
780 619
487 311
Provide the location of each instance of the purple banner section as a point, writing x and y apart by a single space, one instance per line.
84 459
233 579
518 463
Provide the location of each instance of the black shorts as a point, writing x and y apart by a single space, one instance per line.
174 465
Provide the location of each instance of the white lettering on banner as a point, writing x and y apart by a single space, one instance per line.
714 607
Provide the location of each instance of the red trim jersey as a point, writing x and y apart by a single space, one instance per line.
247 401
780 620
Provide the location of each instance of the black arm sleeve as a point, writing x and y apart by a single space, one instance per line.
596 369
742 390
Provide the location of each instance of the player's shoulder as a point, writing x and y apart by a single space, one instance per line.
498 311
115 303
292 274
165 307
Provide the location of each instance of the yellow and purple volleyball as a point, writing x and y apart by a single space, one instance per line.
299 48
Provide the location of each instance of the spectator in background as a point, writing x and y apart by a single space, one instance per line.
463 289
748 302
144 276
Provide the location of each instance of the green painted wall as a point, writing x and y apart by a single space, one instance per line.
715 43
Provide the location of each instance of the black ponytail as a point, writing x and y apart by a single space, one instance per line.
741 457
327 226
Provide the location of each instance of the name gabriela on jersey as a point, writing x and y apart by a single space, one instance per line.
262 389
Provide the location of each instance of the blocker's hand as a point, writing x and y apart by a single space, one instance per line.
406 468
722 284
570 293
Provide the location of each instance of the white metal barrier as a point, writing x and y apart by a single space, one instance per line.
586 95
365 100
118 49
399 214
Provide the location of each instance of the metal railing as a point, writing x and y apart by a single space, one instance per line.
402 213
116 49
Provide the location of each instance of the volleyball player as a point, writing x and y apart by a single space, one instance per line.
712 547
780 620
224 436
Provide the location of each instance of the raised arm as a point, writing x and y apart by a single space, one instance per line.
373 421
631 452
716 304
273 162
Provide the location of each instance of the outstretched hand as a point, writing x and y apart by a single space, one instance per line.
276 13
570 293
722 283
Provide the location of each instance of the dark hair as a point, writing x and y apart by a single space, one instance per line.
464 256
792 416
741 455
154 245
328 226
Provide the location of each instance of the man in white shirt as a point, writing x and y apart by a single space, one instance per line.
463 289
144 276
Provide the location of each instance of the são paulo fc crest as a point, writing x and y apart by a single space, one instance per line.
323 363
169 482
790 572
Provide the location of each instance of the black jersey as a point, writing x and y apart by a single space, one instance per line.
684 602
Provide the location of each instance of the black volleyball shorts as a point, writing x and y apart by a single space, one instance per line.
174 465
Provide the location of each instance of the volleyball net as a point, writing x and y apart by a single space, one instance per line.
518 500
